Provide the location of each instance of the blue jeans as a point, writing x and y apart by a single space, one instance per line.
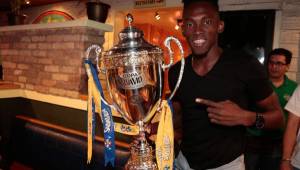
263 153
262 162
182 164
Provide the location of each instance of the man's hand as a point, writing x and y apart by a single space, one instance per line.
227 113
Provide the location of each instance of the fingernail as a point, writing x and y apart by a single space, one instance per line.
198 100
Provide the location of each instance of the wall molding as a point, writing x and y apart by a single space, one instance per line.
72 23
57 100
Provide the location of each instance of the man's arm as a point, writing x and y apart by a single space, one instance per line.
289 141
273 113
229 113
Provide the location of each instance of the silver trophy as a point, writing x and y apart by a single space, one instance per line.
134 73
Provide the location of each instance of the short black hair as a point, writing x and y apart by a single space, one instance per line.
214 3
282 51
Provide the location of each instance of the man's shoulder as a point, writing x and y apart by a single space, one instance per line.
291 82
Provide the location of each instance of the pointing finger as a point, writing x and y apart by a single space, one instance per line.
207 102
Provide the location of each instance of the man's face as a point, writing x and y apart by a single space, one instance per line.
201 26
277 66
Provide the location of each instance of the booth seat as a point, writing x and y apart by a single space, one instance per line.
44 146
44 136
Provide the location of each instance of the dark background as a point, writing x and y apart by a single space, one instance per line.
248 30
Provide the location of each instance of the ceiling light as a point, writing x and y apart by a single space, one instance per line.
157 16
27 2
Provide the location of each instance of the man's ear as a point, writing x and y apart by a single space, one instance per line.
287 67
221 27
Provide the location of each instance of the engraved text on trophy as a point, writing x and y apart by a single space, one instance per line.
131 80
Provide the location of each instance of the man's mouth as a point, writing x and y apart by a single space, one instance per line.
199 42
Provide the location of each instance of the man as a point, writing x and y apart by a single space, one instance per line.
264 147
215 93
291 161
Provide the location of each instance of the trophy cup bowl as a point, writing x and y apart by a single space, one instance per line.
134 75
135 89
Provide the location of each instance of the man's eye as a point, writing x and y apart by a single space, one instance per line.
189 24
207 21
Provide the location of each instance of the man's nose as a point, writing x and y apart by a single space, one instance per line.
274 66
199 29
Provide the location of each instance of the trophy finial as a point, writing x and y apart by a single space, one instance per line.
129 18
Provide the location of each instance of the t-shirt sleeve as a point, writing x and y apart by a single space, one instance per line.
256 79
293 104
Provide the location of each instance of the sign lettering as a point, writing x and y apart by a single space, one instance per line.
149 3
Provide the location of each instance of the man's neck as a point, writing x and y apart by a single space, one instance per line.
277 81
203 64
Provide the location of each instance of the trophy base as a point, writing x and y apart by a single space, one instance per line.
141 158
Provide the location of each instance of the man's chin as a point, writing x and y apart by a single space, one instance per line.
200 50
199 53
274 76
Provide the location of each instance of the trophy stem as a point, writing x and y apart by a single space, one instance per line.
141 157
142 138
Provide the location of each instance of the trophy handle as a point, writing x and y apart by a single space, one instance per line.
98 51
171 53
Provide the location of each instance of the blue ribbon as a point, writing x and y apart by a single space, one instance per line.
93 121
107 121
171 106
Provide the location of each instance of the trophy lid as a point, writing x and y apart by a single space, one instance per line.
132 45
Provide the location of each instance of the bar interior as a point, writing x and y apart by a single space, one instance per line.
44 85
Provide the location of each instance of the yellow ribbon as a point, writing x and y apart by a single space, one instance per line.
90 114
126 129
165 139
153 111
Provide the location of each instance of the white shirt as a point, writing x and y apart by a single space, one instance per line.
293 106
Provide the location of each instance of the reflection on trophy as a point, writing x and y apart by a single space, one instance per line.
134 73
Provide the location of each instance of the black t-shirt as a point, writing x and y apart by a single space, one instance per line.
236 77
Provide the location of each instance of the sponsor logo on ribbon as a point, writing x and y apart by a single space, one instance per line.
107 121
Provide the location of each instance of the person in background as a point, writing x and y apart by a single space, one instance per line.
264 147
214 98
291 155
